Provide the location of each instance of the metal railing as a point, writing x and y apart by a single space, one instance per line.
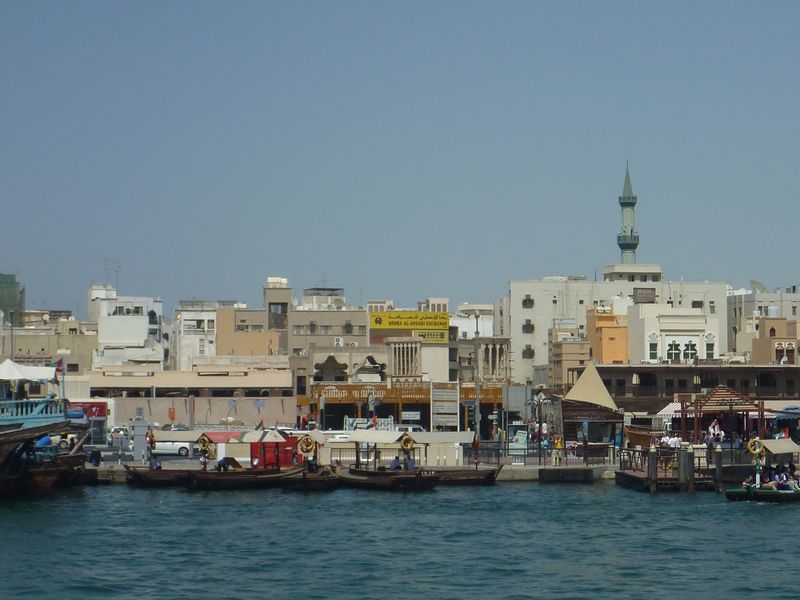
573 455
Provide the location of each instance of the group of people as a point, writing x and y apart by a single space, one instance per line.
777 477
408 464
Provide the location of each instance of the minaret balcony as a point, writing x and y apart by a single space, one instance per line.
628 241
627 201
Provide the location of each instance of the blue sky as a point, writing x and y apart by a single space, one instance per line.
403 150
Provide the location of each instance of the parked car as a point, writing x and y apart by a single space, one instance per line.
177 448
117 436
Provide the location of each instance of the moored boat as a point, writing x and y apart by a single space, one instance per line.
146 477
755 494
248 479
419 479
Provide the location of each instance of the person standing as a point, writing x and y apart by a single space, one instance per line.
558 449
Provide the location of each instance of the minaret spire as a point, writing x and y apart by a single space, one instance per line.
628 237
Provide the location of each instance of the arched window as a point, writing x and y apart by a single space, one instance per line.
673 351
689 351
771 332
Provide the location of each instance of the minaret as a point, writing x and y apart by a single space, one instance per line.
628 237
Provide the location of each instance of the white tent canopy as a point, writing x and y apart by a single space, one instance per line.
590 389
11 371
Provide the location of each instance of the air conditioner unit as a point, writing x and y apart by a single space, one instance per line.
338 342
353 343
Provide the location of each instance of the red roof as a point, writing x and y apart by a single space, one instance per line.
222 437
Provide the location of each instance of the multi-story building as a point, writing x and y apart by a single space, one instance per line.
745 307
566 348
50 340
607 332
12 299
128 328
659 333
775 343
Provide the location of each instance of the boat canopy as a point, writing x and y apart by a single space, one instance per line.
590 389
786 446
11 371
374 436
314 434
443 437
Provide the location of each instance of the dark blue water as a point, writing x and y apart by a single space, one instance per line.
506 541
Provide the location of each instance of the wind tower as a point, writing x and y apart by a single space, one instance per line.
628 237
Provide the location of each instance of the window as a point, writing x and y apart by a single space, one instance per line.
697 304
710 351
580 301
527 301
689 351
555 300
642 277
771 332
348 328
527 352
674 351
73 331
527 326
682 383
712 307
794 310
669 383
72 367
202 349
653 350
631 278
211 324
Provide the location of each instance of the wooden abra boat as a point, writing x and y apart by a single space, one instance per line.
248 479
466 476
147 477
419 479
322 481
755 494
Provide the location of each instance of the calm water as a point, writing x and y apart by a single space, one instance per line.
507 541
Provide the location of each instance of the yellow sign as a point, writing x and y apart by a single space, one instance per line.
410 320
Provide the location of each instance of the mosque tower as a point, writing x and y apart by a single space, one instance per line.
628 237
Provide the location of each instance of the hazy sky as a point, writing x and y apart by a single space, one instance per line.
404 149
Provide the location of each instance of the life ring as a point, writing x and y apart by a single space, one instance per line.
407 443
755 447
306 445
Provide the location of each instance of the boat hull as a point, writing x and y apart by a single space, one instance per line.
145 477
387 480
251 479
311 482
466 476
761 495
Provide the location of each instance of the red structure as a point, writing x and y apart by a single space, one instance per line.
274 454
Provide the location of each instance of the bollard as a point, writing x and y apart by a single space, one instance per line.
652 470
690 478
718 469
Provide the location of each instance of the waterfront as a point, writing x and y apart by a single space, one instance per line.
505 541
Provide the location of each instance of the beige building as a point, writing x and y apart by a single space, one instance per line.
566 349
43 344
775 344
607 333
245 332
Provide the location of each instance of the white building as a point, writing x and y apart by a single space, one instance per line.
533 306
129 328
472 318
659 333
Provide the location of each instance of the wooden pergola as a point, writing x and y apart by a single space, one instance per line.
720 399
